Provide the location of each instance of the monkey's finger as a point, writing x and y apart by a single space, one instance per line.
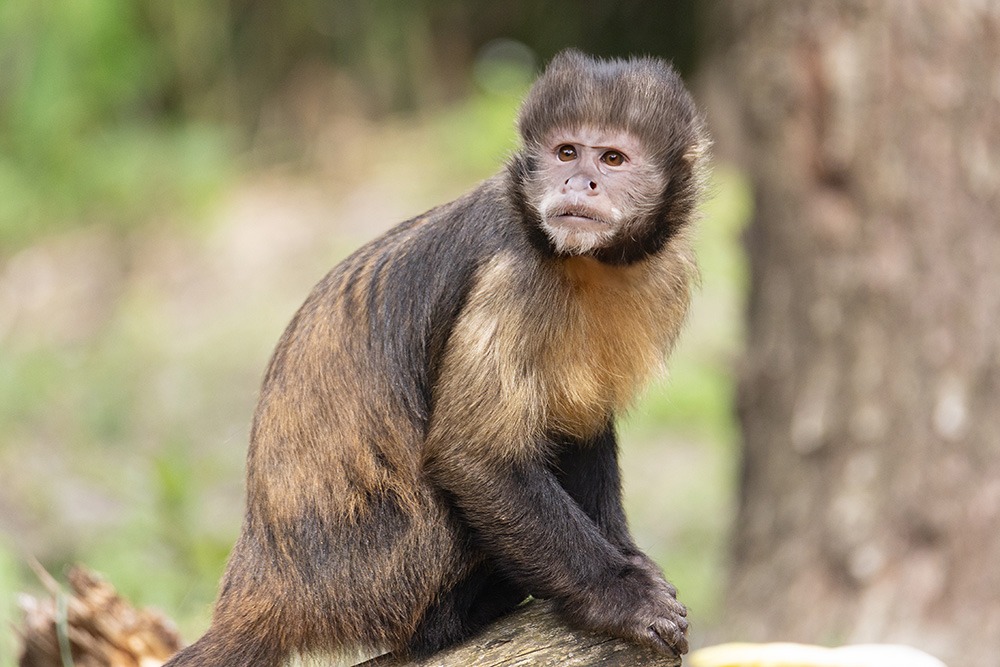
652 639
671 589
667 636
674 605
681 624
672 633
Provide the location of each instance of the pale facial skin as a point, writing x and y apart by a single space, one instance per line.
591 182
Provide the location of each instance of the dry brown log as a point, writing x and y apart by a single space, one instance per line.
94 624
534 635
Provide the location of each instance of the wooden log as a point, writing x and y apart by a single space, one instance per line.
91 626
534 635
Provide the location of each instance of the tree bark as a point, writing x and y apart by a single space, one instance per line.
534 635
870 397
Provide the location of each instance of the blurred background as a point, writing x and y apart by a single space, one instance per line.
821 463
175 177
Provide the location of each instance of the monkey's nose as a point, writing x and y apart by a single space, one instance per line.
580 182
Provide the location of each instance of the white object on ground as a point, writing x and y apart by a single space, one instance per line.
804 655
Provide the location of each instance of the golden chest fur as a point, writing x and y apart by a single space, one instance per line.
565 351
619 326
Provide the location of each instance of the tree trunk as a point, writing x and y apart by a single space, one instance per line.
870 398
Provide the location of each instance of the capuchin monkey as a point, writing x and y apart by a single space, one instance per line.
435 435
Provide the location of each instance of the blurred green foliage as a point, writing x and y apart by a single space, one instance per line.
87 129
113 110
12 572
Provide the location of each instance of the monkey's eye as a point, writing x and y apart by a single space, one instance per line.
566 153
613 158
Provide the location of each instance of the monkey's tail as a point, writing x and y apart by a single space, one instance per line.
216 650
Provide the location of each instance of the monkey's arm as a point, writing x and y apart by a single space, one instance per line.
523 518
590 473
532 530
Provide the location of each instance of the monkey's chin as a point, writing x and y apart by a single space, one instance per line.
575 235
579 223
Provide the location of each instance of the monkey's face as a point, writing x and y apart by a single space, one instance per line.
590 186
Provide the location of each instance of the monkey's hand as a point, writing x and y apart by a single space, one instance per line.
649 566
639 605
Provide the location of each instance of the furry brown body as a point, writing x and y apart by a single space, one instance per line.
434 439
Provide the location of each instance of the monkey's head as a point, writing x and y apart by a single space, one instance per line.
611 159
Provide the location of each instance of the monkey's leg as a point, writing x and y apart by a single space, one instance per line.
498 597
473 603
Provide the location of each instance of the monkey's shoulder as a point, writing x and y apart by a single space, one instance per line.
389 307
420 260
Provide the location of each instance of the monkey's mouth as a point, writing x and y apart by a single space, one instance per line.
578 217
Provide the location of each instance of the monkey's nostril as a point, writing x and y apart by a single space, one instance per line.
593 185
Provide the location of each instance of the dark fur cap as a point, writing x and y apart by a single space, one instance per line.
644 96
